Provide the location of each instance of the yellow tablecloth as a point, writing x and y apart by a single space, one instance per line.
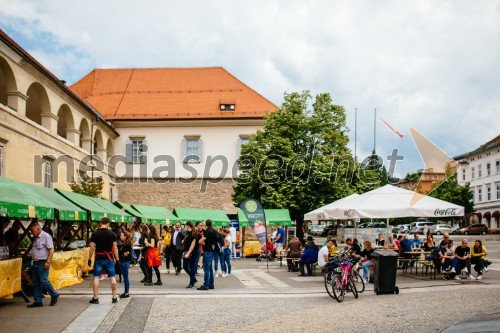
68 267
251 247
10 277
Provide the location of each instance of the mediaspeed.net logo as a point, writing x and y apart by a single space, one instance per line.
435 161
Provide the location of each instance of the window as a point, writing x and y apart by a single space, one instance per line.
488 193
243 139
136 150
488 169
479 195
463 174
47 173
479 171
472 172
227 107
191 149
1 160
498 166
498 191
2 156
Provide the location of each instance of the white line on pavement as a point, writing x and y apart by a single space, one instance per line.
270 279
90 319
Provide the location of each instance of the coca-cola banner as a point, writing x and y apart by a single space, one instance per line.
255 215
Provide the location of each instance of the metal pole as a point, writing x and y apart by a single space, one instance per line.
374 130
355 133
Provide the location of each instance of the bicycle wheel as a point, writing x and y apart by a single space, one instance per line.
337 291
329 283
358 281
353 287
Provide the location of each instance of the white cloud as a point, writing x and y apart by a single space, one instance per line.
431 65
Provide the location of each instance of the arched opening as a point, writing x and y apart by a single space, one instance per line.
84 129
7 81
37 103
65 121
98 143
109 149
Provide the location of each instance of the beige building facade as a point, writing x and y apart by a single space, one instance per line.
47 133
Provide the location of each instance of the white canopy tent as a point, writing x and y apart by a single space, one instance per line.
389 201
319 213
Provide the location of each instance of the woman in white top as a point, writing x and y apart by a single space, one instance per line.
227 252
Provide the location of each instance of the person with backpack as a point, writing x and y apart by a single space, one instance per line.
208 242
219 255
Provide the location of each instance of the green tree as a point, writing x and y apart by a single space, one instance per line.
450 191
87 186
300 160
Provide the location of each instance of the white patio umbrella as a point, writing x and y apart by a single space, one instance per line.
319 214
390 201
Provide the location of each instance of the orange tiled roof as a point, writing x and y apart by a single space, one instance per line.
170 93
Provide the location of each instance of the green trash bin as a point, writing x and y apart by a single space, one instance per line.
385 271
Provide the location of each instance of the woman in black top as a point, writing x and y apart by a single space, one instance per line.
125 253
191 248
380 241
144 230
152 242
366 254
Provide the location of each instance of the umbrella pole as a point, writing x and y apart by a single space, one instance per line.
387 228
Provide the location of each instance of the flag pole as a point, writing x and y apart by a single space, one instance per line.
355 134
374 130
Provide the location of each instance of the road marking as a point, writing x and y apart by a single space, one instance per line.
246 279
90 319
270 279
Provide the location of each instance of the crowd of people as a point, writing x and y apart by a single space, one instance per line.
447 258
187 248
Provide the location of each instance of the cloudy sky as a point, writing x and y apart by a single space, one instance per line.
430 65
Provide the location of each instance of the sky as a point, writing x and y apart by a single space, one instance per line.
429 65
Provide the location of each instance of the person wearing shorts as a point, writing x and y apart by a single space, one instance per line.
103 245
280 240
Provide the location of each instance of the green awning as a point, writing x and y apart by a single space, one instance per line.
129 209
23 200
157 215
98 208
115 214
218 217
273 217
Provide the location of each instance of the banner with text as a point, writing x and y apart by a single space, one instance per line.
255 215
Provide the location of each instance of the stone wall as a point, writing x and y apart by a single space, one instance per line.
172 194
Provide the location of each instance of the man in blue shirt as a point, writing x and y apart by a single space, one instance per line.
416 242
280 240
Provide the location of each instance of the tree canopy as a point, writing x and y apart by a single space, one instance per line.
87 186
450 191
300 160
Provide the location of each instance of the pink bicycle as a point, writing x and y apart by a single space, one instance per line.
342 281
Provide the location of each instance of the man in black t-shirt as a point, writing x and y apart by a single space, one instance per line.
462 253
208 244
103 244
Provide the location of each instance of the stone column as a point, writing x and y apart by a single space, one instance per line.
17 101
73 135
86 144
49 121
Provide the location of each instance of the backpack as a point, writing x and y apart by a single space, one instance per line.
219 242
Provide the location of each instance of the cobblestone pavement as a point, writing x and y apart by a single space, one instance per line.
255 298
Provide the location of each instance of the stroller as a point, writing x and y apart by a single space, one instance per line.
271 252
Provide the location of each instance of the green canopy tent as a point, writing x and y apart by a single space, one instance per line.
156 215
218 217
273 217
97 208
24 201
131 210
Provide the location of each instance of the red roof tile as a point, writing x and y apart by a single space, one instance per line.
170 93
